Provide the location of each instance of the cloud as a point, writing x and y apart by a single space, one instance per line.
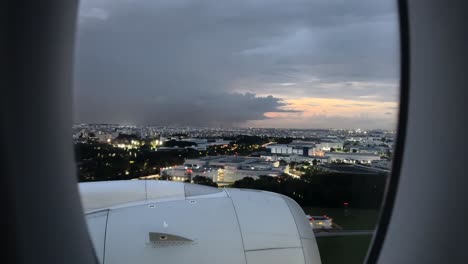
323 121
345 106
94 13
359 104
211 62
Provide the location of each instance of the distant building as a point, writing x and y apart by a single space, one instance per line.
327 146
295 158
178 173
303 148
320 222
285 149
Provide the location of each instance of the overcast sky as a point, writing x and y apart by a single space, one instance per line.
264 63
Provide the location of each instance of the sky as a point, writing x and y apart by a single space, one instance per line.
243 63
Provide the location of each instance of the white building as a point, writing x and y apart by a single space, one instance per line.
285 149
296 147
351 157
327 146
368 150
228 169
178 173
295 158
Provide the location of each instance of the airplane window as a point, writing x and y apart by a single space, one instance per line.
235 131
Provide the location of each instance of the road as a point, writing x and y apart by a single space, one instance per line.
293 175
344 233
374 168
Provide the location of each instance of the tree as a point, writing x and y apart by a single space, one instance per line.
324 189
204 181
388 153
180 144
292 164
285 140
250 140
165 177
145 148
246 182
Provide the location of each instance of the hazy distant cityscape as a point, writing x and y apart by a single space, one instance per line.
107 130
227 156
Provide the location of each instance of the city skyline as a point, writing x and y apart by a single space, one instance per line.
266 64
355 129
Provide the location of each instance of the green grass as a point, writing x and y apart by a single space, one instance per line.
343 249
357 219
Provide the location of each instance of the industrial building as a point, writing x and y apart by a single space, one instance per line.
305 148
224 170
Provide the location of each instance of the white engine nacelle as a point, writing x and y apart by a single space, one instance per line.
171 222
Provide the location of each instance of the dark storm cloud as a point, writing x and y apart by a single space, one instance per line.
192 62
